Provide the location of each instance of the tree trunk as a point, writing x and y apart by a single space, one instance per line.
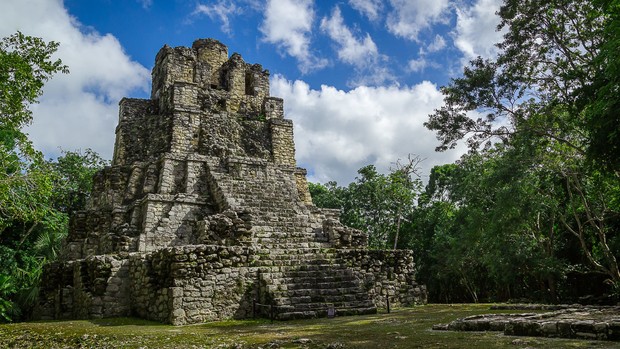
397 230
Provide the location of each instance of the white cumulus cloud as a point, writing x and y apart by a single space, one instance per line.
475 33
222 10
358 52
417 65
369 8
337 132
77 110
422 62
408 18
438 44
288 25
361 53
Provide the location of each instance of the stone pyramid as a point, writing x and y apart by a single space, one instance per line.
203 214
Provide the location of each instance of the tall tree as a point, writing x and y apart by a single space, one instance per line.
376 203
547 58
602 97
404 188
329 195
73 181
546 96
25 65
27 182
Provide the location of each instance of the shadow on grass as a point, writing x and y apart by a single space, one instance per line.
125 321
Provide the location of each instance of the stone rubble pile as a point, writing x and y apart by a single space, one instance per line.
564 321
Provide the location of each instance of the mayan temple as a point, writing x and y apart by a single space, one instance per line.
203 214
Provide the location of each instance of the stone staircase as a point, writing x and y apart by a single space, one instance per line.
311 287
299 273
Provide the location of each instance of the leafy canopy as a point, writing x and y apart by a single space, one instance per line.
25 66
36 196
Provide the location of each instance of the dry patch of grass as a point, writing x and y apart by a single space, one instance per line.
403 328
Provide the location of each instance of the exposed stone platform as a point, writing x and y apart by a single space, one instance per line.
203 214
564 321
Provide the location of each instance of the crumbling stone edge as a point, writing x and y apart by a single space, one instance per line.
561 321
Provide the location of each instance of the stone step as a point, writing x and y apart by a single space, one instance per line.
284 261
320 280
288 305
310 263
306 302
306 258
313 294
324 284
288 263
330 267
309 274
276 254
297 249
272 231
288 283
323 312
270 271
288 237
311 281
285 247
284 277
290 240
292 304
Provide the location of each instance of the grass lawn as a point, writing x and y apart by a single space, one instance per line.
403 328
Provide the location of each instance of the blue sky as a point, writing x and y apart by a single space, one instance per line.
143 26
358 77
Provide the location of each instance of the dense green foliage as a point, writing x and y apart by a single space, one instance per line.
36 195
538 204
28 242
25 189
25 65
376 203
603 98
533 210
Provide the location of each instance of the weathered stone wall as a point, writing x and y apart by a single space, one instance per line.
180 72
94 287
173 65
208 282
109 188
386 272
274 108
141 133
150 293
170 221
223 135
255 184
282 141
302 186
211 55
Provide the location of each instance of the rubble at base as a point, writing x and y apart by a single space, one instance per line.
562 321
